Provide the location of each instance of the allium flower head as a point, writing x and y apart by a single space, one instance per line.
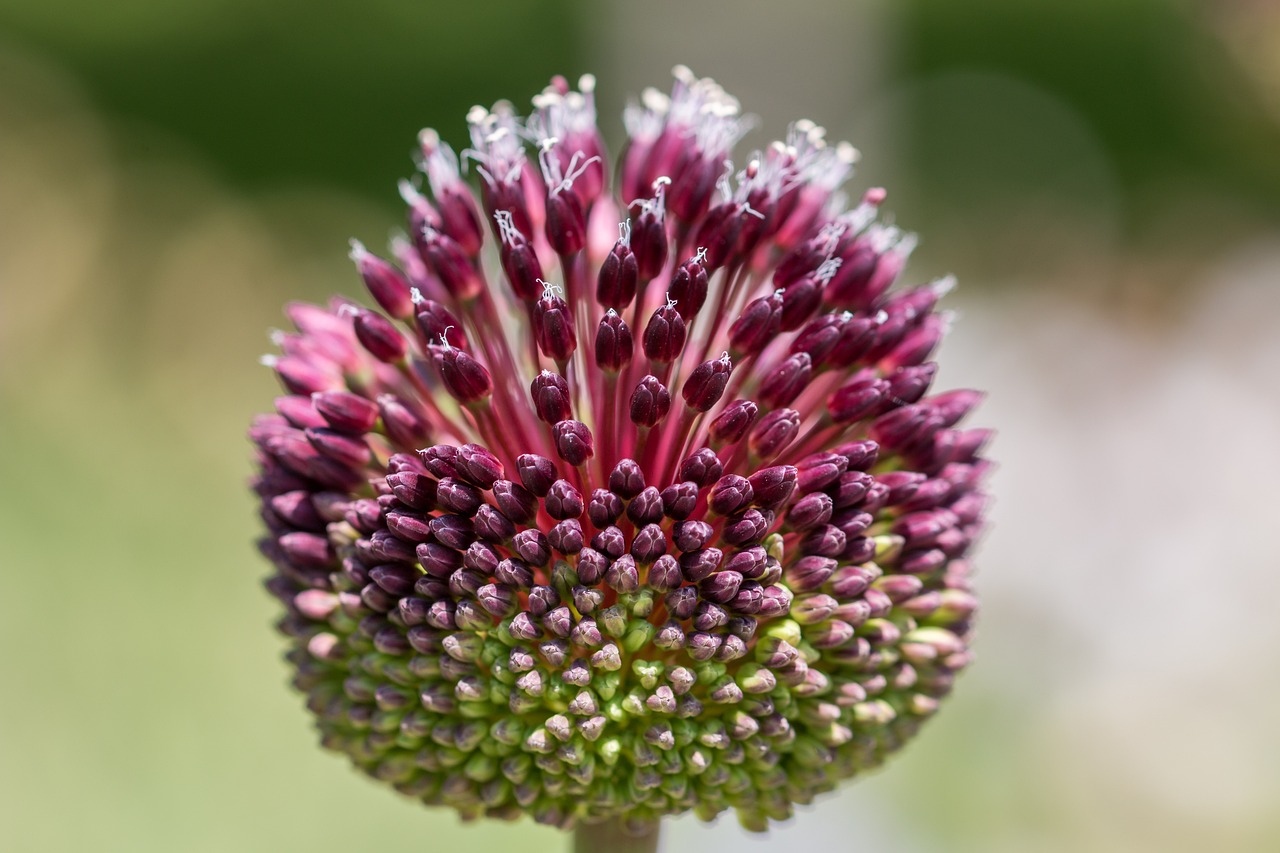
629 495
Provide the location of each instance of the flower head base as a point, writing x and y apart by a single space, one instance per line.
623 520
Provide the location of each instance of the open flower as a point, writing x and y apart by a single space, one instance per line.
647 509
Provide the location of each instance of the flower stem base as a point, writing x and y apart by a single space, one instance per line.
611 837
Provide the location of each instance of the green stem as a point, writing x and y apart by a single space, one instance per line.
611 837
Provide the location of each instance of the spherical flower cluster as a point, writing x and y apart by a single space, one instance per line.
647 509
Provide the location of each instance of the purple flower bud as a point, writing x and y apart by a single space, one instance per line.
613 343
553 326
697 565
563 500
536 472
758 324
467 379
688 287
449 262
649 544
346 412
785 382
721 587
532 546
567 536
437 560
490 524
664 574
730 494
707 382
775 431
773 486
679 500
850 489
857 399
437 325
619 273
566 224
665 335
681 602
650 402
516 502
478 466
457 496
732 424
550 393
521 265
748 527
610 542
386 284
691 535
591 565
825 541
604 509
377 335
649 240
808 574
701 467
627 479
800 301
344 449
573 442
646 507
622 574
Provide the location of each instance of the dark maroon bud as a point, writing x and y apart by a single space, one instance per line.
899 588
705 385
591 565
697 565
532 546
566 223
749 562
710 615
456 496
413 610
800 301
850 489
437 560
449 262
650 402
851 581
437 325
587 600
465 583
733 423
346 412
906 428
953 406
921 529
679 500
917 344
523 270
604 509
553 326
542 600
395 578
440 460
876 499
664 337
627 479
930 495
377 334
681 602
302 412
478 466
852 521
649 241
907 385
386 548
514 572
857 335
701 467
498 599
730 494
860 454
808 574
646 507
721 588
296 509
969 508
536 472
410 527
403 426
858 399
689 287
300 376
720 230
610 542
524 628
775 431
758 324
960 445
563 500
613 343
670 637
366 516
573 442
466 379
820 336
785 382
492 525
860 549
516 502
386 284
622 574
649 544
664 574
345 449
773 486
825 541
414 490
748 600
819 470
703 646
748 527
619 273
691 535
567 536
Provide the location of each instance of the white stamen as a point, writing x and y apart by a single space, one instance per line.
346 309
269 360
416 297
624 232
444 338
549 289
701 257
671 303
827 270
277 337
358 251
944 285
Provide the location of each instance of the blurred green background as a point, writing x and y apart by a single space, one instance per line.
1104 177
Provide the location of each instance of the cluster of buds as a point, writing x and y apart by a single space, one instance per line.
648 510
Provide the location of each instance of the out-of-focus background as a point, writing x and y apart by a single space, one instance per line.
1104 178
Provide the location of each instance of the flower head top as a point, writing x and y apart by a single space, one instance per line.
649 508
